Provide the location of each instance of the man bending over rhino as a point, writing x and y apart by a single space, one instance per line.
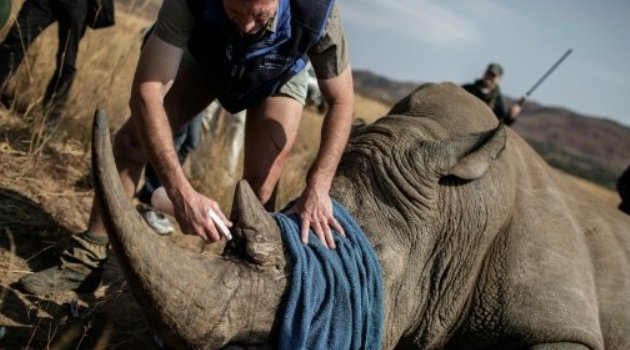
248 54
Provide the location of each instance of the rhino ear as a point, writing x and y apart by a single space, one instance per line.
470 156
255 232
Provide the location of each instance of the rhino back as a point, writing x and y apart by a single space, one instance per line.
559 271
533 258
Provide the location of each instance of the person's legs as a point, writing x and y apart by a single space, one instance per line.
210 116
192 138
188 96
34 17
71 17
270 131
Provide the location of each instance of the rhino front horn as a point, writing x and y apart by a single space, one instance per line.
255 230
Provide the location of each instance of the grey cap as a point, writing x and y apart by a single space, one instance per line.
495 69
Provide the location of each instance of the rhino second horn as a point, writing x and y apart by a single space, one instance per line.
256 230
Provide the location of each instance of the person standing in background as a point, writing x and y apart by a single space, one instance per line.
33 18
488 90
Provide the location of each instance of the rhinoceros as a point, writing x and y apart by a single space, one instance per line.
481 244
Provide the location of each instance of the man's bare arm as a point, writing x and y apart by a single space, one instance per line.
339 95
315 206
155 74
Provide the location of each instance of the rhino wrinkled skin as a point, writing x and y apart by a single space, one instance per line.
482 245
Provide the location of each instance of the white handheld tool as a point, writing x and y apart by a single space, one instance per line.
160 201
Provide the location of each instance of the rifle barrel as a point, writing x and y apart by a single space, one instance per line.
548 73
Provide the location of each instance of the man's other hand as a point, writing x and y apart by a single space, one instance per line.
315 210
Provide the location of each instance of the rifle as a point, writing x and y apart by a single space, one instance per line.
547 74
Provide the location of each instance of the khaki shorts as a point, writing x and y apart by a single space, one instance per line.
296 87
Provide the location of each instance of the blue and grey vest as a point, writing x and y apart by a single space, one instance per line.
244 74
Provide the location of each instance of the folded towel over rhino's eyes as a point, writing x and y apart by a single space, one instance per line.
335 298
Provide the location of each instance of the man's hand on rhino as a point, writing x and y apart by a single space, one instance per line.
315 209
191 211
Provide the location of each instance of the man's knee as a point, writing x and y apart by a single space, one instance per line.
264 183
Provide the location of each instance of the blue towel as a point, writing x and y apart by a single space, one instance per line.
335 300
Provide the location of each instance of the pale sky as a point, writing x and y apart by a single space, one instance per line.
439 40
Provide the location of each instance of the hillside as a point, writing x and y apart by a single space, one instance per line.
588 147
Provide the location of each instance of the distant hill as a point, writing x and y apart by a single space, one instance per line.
592 148
380 88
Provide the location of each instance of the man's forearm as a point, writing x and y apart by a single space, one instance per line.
335 132
156 72
153 126
339 94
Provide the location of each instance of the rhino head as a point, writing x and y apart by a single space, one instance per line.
189 299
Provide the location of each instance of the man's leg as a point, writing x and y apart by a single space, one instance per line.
71 17
270 132
192 139
188 96
34 16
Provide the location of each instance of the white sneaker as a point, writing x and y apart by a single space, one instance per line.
156 220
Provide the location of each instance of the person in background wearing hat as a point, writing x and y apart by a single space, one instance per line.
488 90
